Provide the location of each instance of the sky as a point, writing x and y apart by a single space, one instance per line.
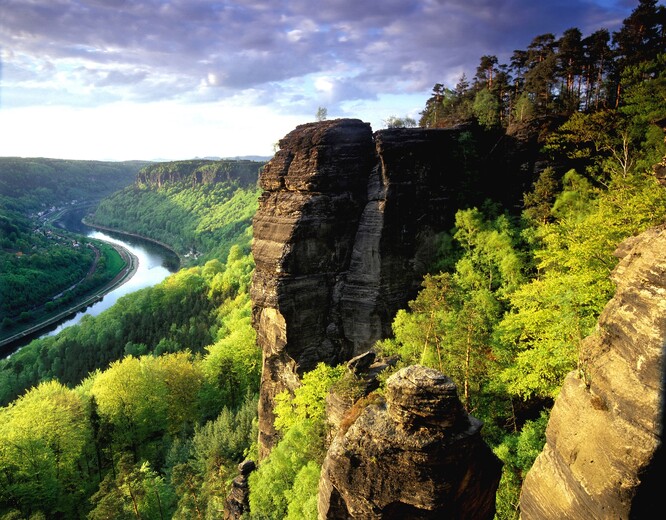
178 79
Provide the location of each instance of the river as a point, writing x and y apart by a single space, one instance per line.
155 263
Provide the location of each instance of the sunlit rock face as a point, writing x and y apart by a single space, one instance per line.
604 455
348 223
416 455
345 230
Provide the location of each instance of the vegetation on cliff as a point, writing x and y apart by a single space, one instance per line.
145 410
200 208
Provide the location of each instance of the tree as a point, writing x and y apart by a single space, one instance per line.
44 441
432 113
322 114
570 67
641 37
539 340
285 482
399 122
132 491
598 62
541 69
539 201
486 72
486 108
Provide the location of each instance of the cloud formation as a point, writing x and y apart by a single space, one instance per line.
356 57
201 50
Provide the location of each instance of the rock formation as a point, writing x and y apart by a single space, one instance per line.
346 227
418 455
604 455
236 505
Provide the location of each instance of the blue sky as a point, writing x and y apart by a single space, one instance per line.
176 79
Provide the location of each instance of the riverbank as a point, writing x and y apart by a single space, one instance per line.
181 259
130 269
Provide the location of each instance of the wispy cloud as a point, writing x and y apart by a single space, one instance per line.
290 55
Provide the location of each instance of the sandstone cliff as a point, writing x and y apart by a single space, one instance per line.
416 455
345 230
604 455
198 172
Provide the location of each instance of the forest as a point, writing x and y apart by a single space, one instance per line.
198 207
44 269
146 410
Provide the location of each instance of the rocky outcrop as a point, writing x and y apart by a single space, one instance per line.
416 455
314 194
236 505
346 228
197 172
604 454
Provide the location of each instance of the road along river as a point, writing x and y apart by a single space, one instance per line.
151 264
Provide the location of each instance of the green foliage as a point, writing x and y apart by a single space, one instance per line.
539 201
575 197
136 491
285 484
309 400
142 398
32 184
322 114
302 497
517 452
44 271
192 309
450 323
540 338
399 122
557 77
200 208
200 468
44 440
486 108
272 484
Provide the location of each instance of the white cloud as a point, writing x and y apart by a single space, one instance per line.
152 74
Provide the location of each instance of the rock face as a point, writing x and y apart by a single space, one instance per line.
604 455
236 505
417 455
345 230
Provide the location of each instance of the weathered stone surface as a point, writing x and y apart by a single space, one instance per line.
604 455
237 502
315 191
418 455
346 229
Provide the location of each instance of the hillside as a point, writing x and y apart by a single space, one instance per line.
43 269
33 184
199 207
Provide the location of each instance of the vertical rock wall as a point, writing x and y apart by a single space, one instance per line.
314 193
604 455
343 235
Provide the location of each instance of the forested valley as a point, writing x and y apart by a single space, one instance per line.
197 207
44 269
146 410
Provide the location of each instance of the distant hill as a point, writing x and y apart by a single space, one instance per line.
30 184
199 207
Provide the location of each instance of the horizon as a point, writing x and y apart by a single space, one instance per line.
111 80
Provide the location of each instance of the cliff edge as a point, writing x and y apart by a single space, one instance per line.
604 456
346 228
